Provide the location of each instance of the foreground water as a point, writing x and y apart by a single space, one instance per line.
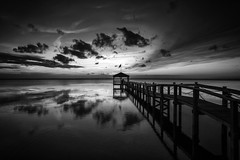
81 119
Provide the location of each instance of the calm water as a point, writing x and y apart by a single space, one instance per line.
82 119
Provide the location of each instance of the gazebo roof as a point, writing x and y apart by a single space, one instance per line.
121 75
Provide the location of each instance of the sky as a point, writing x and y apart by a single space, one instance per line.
98 38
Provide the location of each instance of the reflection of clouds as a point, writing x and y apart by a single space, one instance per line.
88 100
32 109
82 107
30 97
104 117
131 119
117 116
64 97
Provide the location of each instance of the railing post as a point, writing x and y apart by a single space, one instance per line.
138 90
225 93
144 92
195 124
154 95
175 110
141 91
224 127
234 146
147 95
161 108
168 103
180 109
134 89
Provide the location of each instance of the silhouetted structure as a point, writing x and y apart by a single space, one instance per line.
118 92
156 98
118 79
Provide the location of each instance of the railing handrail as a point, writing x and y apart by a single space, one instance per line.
202 88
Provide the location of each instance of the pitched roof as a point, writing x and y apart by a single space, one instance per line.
121 75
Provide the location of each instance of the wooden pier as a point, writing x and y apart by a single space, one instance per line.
156 99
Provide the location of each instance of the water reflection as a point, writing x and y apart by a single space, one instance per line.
32 109
104 117
79 103
29 97
72 118
131 119
82 107
64 97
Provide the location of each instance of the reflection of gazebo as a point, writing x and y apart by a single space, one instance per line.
120 95
117 79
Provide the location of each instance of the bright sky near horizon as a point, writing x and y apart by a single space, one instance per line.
88 38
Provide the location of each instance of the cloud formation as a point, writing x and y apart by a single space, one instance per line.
80 49
104 40
165 53
133 39
27 60
63 59
137 65
30 48
32 27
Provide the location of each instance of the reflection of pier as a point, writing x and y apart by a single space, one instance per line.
156 98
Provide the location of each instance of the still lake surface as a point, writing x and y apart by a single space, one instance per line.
76 119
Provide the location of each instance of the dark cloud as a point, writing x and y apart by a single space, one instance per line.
213 47
70 51
153 38
63 59
99 57
137 65
165 53
33 28
30 48
80 49
83 47
60 32
32 61
133 39
104 40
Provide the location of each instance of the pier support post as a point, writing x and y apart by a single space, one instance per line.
224 127
234 146
195 124
180 109
224 141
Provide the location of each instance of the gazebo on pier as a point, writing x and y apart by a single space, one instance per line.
117 80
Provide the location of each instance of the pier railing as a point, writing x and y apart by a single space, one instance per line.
225 110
